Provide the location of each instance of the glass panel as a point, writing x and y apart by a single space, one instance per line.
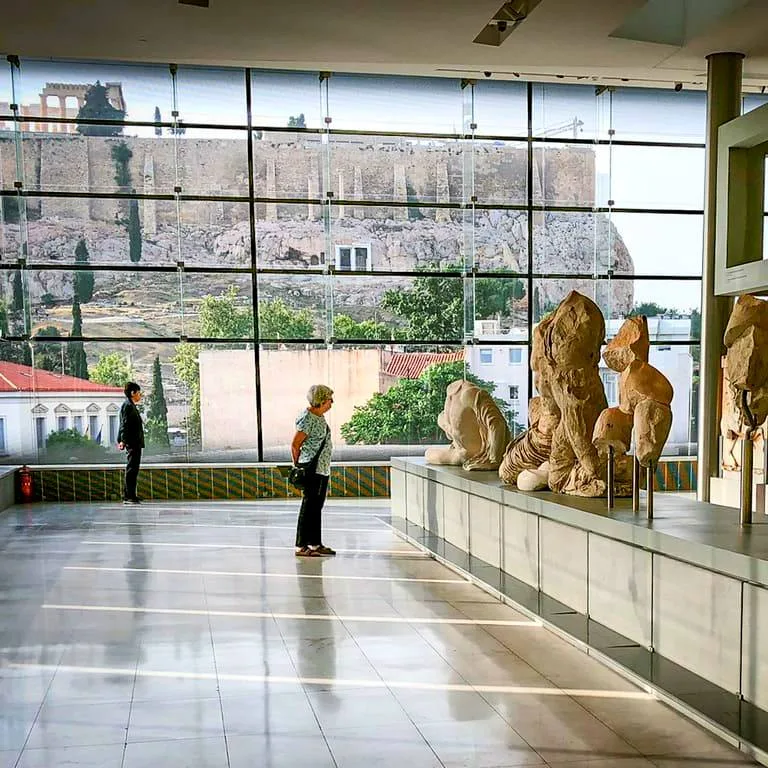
389 103
651 177
99 164
13 303
501 308
407 380
286 99
210 95
651 114
212 163
12 218
6 91
658 243
501 108
58 89
218 306
573 242
396 169
398 238
752 101
292 306
288 165
417 308
564 174
133 304
501 172
569 111
288 235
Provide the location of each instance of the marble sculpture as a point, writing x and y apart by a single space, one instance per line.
475 426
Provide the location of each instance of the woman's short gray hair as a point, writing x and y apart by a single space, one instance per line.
318 394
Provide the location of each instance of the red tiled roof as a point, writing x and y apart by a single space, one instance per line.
410 365
24 378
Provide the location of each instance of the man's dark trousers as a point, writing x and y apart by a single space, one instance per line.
133 462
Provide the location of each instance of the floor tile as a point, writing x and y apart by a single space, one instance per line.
373 746
190 719
269 711
106 756
79 725
179 753
279 751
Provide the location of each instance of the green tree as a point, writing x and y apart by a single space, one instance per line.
96 106
222 318
158 119
49 357
11 353
121 157
278 321
344 327
649 309
186 366
134 231
407 412
76 359
83 284
112 369
157 410
18 292
297 122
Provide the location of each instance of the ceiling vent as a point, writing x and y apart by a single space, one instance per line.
504 21
196 3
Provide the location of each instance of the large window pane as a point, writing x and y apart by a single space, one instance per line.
564 174
573 242
134 304
423 308
389 103
211 95
646 114
500 108
498 239
500 172
213 163
292 306
286 99
288 235
397 169
288 165
218 306
659 243
569 111
651 177
58 89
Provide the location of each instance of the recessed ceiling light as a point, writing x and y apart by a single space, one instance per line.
197 3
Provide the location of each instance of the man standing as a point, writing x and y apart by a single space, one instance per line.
131 437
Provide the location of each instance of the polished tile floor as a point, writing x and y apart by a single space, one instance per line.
184 635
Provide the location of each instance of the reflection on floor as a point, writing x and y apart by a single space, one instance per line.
189 635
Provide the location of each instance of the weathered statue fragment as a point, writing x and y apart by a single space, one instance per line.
475 426
572 337
746 368
532 448
645 395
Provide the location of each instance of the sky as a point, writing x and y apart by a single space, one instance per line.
630 176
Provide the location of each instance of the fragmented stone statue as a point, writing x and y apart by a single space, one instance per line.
734 429
475 426
645 395
746 367
571 340
532 448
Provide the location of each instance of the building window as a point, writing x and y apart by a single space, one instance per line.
515 356
112 428
40 432
78 425
353 258
93 427
611 390
486 356
3 448
61 423
514 392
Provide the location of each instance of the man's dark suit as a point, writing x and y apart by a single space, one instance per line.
131 435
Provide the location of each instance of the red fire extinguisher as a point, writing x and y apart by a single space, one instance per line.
26 485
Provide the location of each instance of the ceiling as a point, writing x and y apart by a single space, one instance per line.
571 39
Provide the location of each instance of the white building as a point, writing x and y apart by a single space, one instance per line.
507 366
34 403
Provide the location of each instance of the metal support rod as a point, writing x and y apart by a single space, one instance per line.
611 459
635 484
747 451
650 478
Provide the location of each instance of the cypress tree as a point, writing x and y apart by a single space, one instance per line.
157 411
134 231
83 279
78 363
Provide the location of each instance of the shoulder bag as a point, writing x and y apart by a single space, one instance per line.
300 473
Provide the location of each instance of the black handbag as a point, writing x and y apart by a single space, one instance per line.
300 473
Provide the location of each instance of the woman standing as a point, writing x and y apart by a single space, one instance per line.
312 446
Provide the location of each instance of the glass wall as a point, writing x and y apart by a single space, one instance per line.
227 237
